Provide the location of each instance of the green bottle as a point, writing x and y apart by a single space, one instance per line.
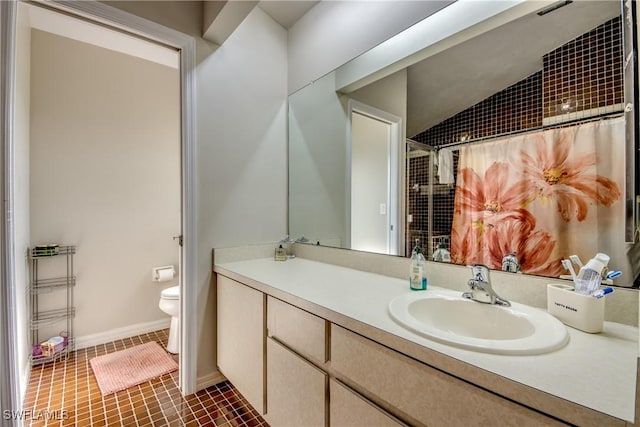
417 274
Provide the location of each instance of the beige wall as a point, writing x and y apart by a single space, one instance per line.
105 175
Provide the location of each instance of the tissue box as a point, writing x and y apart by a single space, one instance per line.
582 312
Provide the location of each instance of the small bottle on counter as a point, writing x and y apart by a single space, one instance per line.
417 274
280 254
287 245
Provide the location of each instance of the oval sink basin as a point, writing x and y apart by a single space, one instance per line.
447 317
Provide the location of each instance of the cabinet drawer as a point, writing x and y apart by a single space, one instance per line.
299 330
349 409
296 390
420 392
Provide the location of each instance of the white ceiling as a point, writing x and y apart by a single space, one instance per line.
458 78
439 86
286 13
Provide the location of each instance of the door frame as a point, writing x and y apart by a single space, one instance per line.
9 363
394 159
101 14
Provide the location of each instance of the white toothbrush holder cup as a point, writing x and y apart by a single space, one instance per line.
579 311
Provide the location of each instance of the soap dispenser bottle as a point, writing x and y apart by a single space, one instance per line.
442 254
417 274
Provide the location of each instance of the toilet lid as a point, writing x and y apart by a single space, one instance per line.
171 293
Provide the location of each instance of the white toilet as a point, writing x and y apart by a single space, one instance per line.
170 304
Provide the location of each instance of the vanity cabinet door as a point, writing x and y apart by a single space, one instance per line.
420 393
296 389
241 333
349 409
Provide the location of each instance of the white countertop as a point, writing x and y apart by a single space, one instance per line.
594 370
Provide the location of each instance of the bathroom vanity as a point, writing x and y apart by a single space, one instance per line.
311 343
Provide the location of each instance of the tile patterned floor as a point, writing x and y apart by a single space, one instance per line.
65 393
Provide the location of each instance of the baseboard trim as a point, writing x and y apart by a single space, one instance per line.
209 380
119 333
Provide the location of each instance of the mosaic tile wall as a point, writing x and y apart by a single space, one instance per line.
584 74
518 107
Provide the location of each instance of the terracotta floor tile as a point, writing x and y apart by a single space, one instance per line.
70 386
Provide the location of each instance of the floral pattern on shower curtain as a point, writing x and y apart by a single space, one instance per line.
543 196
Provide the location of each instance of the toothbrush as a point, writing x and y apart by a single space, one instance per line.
613 274
601 292
568 266
576 260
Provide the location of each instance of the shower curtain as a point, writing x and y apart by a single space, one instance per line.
543 196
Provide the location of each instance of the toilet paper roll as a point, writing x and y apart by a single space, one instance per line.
164 274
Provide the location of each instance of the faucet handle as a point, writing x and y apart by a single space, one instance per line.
480 272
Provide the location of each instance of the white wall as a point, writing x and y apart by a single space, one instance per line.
241 96
388 94
241 153
105 175
318 164
21 189
318 153
334 32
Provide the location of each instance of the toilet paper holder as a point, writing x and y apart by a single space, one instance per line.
162 274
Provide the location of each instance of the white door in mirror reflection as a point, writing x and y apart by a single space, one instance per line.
374 192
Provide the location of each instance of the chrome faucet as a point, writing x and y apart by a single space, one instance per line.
510 263
481 289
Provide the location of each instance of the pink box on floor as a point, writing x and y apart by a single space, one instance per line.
52 346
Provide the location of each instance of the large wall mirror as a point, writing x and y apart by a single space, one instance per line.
507 135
